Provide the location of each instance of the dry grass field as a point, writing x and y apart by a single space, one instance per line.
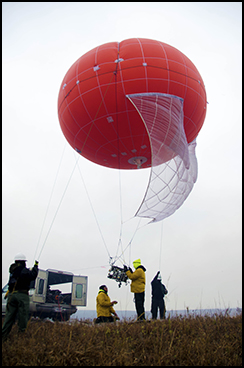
178 341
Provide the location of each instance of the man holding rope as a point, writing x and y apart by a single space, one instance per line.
18 294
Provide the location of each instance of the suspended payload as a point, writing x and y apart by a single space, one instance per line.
118 274
136 104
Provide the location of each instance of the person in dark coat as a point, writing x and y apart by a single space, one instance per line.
158 292
18 294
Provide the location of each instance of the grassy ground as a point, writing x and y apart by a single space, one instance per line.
182 340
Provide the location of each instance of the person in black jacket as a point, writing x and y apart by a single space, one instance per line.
158 292
18 294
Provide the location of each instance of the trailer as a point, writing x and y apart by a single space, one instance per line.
54 294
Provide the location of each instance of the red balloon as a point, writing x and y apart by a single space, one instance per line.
95 114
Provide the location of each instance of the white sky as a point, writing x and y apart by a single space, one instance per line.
200 256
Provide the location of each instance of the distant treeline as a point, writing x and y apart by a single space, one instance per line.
128 315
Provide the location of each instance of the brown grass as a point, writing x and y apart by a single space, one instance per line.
182 340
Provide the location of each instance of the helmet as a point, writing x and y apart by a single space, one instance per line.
159 277
20 257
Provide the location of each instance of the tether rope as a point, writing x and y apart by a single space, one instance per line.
71 177
129 244
160 246
58 207
55 180
93 211
93 122
119 172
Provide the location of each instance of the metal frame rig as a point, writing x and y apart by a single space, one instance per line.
118 274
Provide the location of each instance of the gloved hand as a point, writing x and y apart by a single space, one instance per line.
36 263
158 273
125 268
6 295
130 270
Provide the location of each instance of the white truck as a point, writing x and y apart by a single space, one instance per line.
54 294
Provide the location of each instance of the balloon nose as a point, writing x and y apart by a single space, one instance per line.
138 161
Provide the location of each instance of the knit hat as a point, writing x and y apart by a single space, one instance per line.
137 263
102 289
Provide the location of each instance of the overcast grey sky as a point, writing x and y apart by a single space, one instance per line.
198 248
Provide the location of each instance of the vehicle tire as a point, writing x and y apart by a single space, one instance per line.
58 317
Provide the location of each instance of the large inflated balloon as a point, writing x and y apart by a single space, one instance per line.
135 104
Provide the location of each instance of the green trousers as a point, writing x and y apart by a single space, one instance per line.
17 305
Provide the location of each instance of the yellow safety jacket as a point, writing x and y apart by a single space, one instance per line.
104 306
138 279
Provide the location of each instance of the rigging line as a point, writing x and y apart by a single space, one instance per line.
93 120
129 219
58 206
129 244
160 246
130 255
119 173
89 268
121 215
80 81
127 68
75 166
93 211
55 180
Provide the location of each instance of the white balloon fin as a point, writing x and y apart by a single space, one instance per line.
174 163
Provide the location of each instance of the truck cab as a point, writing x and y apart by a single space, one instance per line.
54 294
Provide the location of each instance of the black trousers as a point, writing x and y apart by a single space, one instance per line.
158 304
139 301
102 319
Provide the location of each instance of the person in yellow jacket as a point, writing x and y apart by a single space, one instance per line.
105 306
138 286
